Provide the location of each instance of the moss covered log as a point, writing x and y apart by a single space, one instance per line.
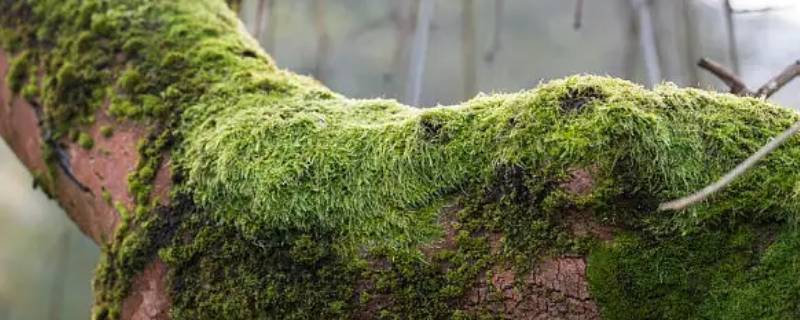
289 201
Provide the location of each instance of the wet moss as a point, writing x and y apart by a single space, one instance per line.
292 201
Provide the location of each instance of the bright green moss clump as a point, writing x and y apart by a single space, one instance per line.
85 140
290 201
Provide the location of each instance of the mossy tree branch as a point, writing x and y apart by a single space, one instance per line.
238 190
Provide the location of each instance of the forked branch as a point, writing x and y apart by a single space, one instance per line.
738 87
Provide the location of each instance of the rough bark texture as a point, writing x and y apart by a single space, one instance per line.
223 187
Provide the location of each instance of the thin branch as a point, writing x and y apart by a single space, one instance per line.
701 195
730 78
576 23
776 83
738 87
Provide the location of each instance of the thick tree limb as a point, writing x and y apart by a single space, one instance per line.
104 169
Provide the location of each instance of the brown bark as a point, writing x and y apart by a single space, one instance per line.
556 289
86 175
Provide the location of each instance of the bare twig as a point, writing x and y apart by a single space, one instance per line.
733 81
576 24
776 83
701 195
738 87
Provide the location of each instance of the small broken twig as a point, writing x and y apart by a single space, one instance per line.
738 87
775 84
701 195
733 81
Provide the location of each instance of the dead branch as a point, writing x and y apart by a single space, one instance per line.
738 87
733 81
776 83
704 193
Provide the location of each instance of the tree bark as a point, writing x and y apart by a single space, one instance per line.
223 187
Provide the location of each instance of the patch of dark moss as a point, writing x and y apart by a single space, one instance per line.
85 140
671 278
19 72
576 98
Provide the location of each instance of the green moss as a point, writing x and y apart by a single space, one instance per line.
107 131
123 109
19 71
129 81
291 201
85 140
106 196
30 91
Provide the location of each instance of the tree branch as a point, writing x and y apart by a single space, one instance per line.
738 87
776 83
704 193
727 76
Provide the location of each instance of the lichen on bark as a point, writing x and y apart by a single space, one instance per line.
291 201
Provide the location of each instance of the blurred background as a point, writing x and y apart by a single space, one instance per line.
424 53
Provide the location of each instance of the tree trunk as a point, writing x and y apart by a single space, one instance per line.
223 187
